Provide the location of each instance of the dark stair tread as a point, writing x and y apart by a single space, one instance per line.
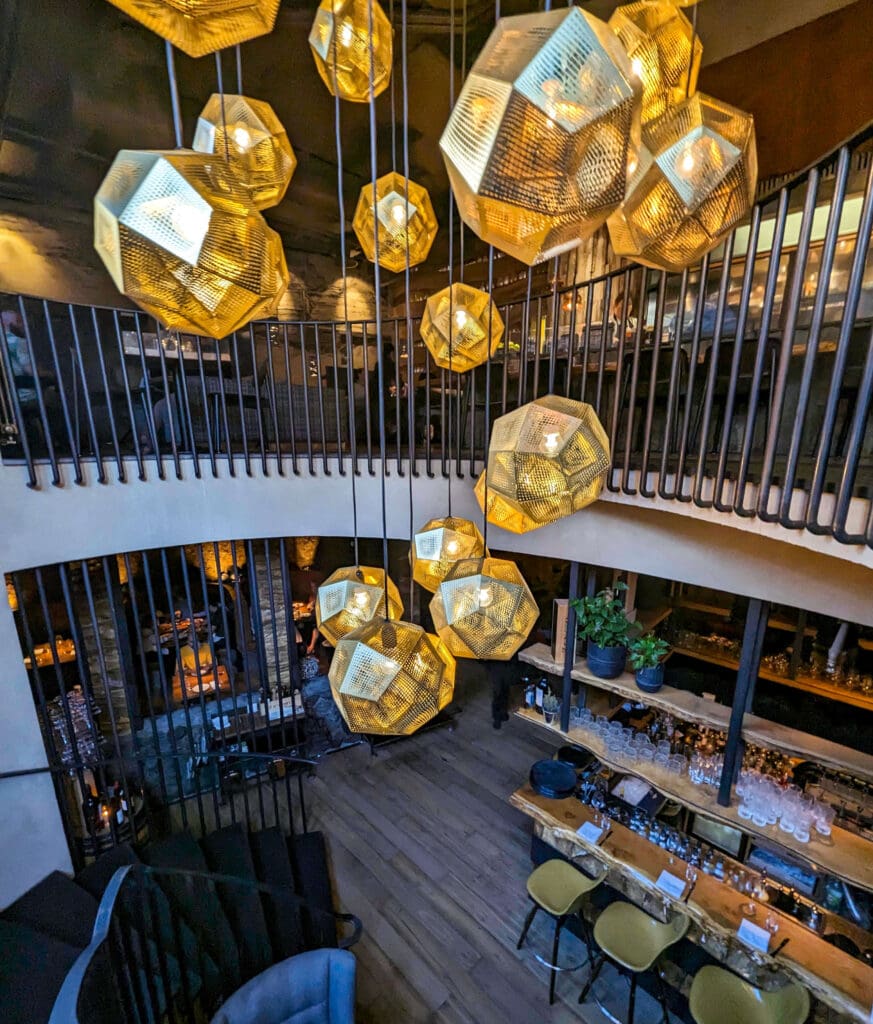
57 907
96 876
312 879
196 900
33 966
227 852
273 867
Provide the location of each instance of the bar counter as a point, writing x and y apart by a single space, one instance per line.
634 864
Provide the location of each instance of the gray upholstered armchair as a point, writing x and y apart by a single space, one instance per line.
312 988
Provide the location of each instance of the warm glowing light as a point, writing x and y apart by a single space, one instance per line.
461 326
242 138
361 598
551 442
686 164
486 596
347 33
342 46
637 66
453 547
461 318
439 544
188 221
353 597
398 214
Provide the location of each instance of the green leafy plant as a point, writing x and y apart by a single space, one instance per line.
551 704
647 651
602 618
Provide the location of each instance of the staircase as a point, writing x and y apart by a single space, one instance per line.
167 932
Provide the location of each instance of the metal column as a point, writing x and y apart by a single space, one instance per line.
570 647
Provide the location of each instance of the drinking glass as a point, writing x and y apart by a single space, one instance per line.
676 764
823 816
586 719
771 923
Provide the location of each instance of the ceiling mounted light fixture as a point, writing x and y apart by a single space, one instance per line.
198 27
353 596
484 609
439 544
178 234
538 144
399 219
251 138
697 182
461 327
546 460
664 51
342 45
391 678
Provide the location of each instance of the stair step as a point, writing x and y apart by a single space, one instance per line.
312 879
57 907
273 867
33 966
197 901
227 852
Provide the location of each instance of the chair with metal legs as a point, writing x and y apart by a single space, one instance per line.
560 890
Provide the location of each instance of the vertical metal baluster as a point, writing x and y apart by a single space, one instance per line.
644 489
127 394
396 402
829 248
263 673
553 353
241 404
411 392
632 396
523 346
792 300
307 418
604 337
470 381
109 409
62 395
350 385
290 396
206 403
586 340
16 406
573 294
368 419
761 354
172 401
693 362
221 421
294 668
504 343
709 387
187 420
86 396
271 397
616 397
274 627
148 411
262 445
40 399
537 353
340 461
675 372
853 453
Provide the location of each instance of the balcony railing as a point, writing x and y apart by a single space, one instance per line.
742 384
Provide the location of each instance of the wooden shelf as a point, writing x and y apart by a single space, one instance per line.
843 854
649 618
819 687
706 712
774 622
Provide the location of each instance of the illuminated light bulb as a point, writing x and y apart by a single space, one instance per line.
242 138
461 318
189 222
486 596
686 164
551 442
398 213
632 165
637 67
453 547
346 34
361 599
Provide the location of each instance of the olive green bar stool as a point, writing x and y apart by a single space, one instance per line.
560 890
632 940
720 997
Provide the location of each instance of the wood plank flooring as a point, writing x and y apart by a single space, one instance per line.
428 853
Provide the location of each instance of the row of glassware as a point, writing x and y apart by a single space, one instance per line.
765 802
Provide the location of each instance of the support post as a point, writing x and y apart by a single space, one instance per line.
747 675
797 649
569 647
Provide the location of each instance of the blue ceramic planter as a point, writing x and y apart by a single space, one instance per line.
650 679
606 662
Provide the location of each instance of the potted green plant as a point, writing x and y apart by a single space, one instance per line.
647 654
604 624
551 707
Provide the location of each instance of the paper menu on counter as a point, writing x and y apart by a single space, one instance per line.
672 885
590 832
753 936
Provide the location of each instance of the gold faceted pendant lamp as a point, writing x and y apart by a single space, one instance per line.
498 510
484 609
342 46
546 460
199 27
399 220
178 234
391 678
247 134
538 144
664 51
353 596
696 183
461 327
439 544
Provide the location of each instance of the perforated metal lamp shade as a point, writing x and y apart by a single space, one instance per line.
696 182
351 597
178 234
439 544
247 134
342 46
500 512
203 26
395 217
483 609
538 143
657 38
461 326
546 460
391 678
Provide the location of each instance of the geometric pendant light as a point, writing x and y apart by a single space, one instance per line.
390 678
696 180
664 51
178 234
199 27
483 609
402 217
439 544
352 597
251 138
342 43
538 144
546 460
461 327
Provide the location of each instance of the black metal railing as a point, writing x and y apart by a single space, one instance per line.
742 384
145 962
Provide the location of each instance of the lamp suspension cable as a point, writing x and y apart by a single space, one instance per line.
461 224
174 93
410 361
219 76
691 51
345 286
239 79
451 250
